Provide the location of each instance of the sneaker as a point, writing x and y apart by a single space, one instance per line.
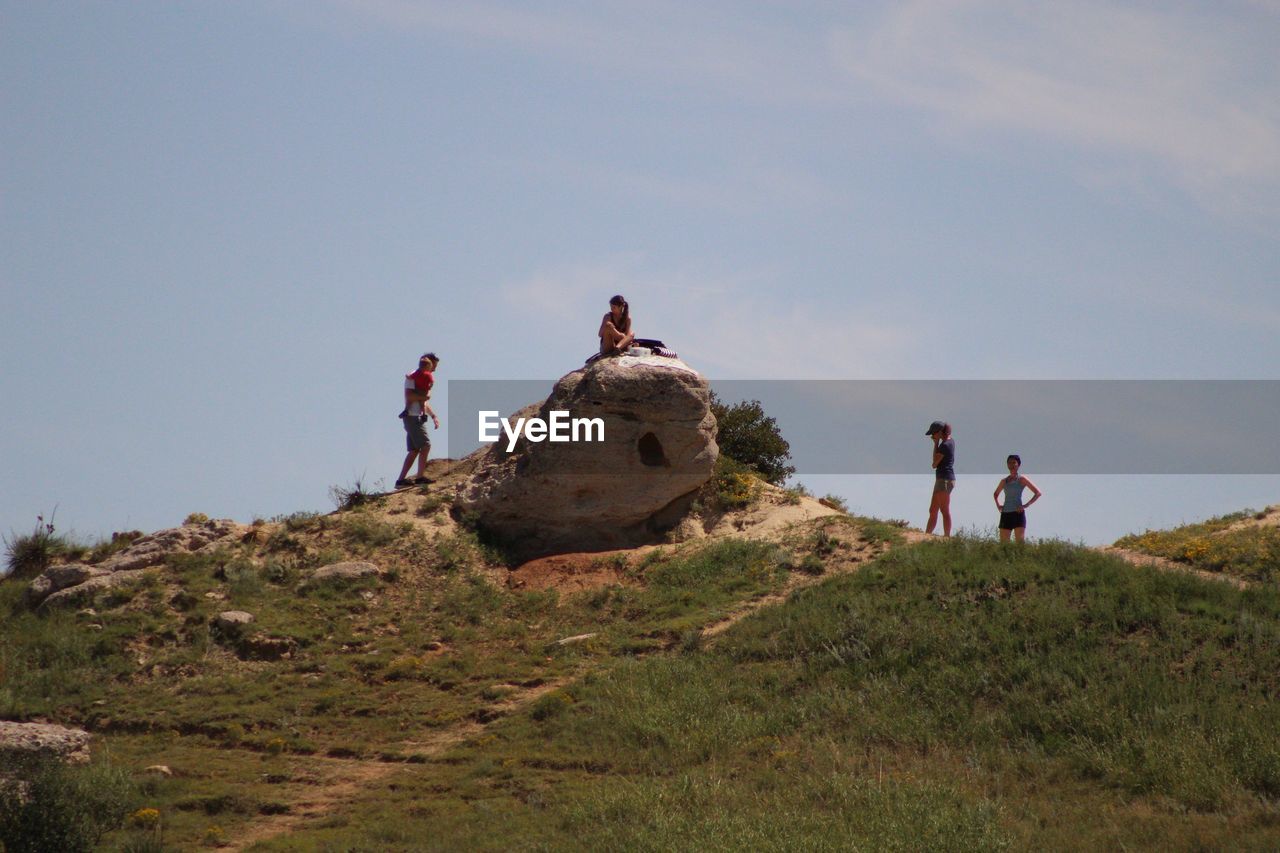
421 481
400 484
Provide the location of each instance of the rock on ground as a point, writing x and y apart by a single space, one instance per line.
19 741
345 571
659 448
231 622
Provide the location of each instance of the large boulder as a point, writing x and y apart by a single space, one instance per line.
659 448
338 573
20 742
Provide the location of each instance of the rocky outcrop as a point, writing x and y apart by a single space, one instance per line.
658 449
24 742
58 578
76 584
341 573
83 593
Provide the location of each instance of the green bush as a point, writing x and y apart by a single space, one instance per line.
745 433
733 485
51 806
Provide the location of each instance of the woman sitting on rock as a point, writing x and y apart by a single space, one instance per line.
615 329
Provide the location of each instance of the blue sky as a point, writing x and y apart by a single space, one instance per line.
230 227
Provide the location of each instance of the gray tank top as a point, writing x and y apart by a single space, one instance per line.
1013 494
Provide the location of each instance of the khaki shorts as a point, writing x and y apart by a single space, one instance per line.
415 433
943 486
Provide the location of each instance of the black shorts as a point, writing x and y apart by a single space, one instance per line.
1013 520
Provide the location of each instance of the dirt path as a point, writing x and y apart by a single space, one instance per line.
339 782
1137 558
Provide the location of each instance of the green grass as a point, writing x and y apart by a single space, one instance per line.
949 695
1036 669
1251 553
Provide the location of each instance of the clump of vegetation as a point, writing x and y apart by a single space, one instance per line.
361 529
196 518
823 543
118 542
733 485
456 553
298 521
431 505
877 532
352 496
30 554
792 494
51 806
834 502
1251 551
745 433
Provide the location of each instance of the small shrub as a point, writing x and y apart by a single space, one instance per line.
733 485
834 502
243 579
456 553
31 554
63 808
430 506
812 565
404 667
283 540
350 497
550 705
196 518
823 543
278 573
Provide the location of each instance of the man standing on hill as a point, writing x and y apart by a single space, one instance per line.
417 391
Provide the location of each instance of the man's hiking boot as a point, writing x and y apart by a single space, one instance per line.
400 484
421 481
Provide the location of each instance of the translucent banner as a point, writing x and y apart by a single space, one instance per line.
1057 426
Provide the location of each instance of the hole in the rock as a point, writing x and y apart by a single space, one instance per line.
651 450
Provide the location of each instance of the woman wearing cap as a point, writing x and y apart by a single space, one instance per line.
944 458
1013 516
615 329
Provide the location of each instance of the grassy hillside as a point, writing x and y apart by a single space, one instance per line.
947 695
1243 545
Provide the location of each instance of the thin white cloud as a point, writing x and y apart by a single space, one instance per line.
1195 92
684 43
1179 92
